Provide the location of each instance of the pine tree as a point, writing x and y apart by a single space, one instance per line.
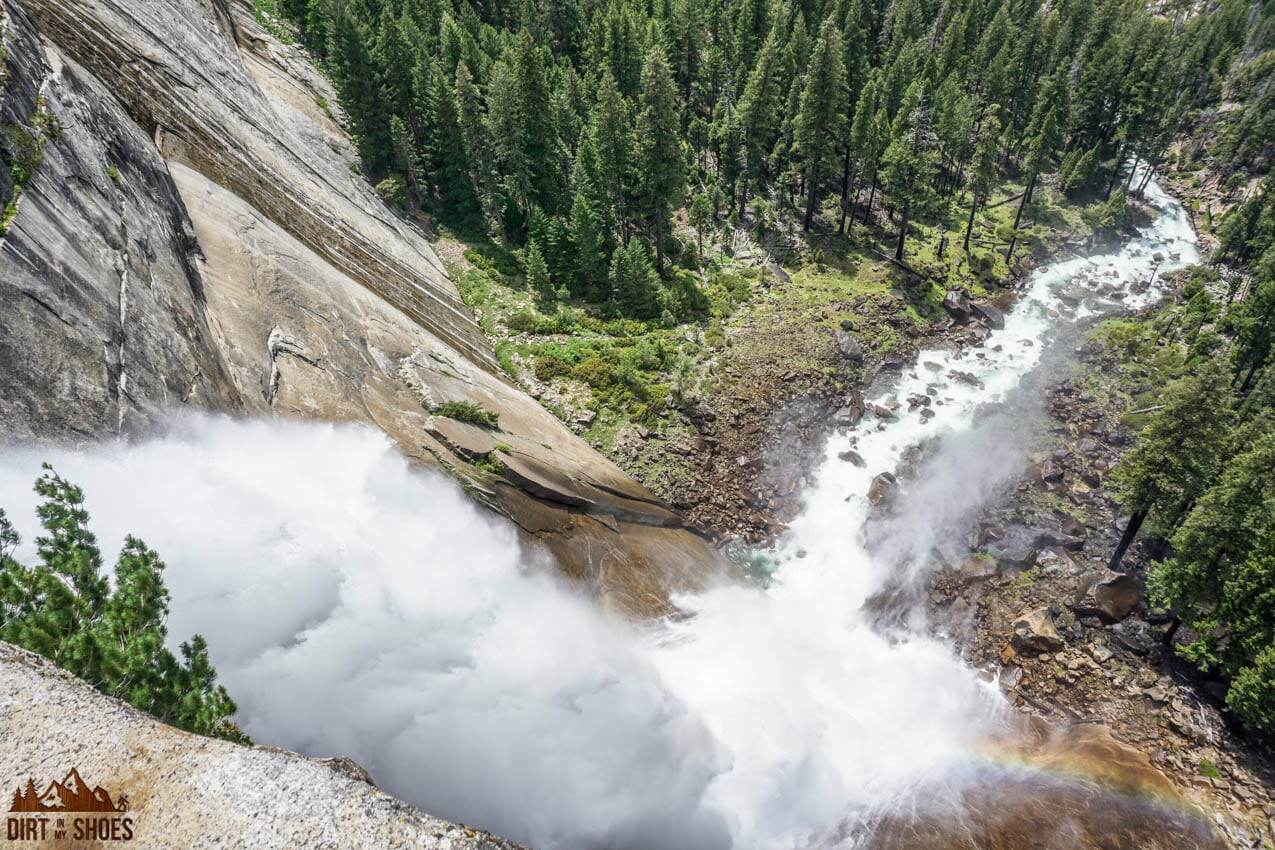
538 135
610 154
1254 322
1221 579
701 217
860 153
1040 149
537 273
909 162
589 253
758 115
634 282
505 132
662 172
983 168
452 167
64 609
1177 453
821 112
474 141
349 61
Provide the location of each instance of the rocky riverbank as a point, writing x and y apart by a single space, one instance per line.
1032 602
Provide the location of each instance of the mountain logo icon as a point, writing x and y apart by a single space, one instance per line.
72 794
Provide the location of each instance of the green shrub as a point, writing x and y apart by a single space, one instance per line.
493 259
24 150
529 321
467 411
548 366
474 286
9 213
393 191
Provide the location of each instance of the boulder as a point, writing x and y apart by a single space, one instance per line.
1108 595
852 457
883 488
978 333
849 346
965 378
957 305
1051 472
1034 633
851 412
1046 538
1135 635
1016 551
991 316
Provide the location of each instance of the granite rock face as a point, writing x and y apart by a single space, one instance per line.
103 323
188 791
195 235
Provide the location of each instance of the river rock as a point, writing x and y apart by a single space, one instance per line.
965 378
883 488
1049 538
1108 595
1034 633
849 346
957 305
1015 551
852 457
991 315
852 411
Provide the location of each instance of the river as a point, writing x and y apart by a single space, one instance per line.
356 606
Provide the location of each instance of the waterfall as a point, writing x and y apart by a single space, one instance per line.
356 606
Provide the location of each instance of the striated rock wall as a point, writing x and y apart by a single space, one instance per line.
102 322
188 791
196 235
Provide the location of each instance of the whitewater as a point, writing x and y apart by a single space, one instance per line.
357 606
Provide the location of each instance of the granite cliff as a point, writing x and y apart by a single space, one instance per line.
185 227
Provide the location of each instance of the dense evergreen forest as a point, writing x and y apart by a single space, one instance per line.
587 132
1200 482
602 141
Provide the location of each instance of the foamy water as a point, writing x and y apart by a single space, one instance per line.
356 606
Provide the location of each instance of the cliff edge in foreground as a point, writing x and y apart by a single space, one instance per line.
182 790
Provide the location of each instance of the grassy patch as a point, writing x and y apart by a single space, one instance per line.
467 411
272 20
9 213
